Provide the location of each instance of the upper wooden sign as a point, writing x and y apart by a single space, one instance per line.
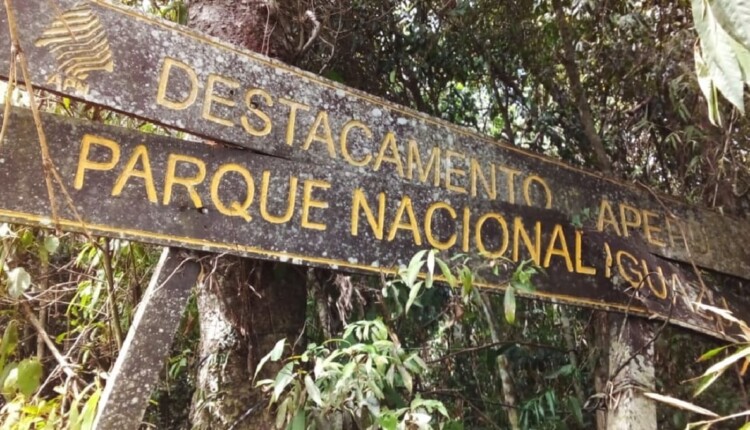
152 69
165 191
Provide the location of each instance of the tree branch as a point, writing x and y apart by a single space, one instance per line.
574 76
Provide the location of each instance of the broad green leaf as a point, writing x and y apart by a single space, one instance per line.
716 46
274 355
89 410
285 376
388 421
509 305
51 243
29 375
298 422
73 416
734 18
743 57
680 404
19 281
10 380
313 391
429 404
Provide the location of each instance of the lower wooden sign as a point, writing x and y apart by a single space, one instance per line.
150 188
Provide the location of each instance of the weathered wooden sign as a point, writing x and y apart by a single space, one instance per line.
160 190
118 58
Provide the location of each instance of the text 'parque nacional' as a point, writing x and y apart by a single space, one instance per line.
170 192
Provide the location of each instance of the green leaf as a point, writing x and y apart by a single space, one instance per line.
285 376
716 45
707 87
414 267
281 412
51 243
429 404
182 13
89 410
9 342
73 416
274 355
390 375
728 361
733 16
574 405
19 281
564 370
467 281
446 271
313 391
706 382
413 293
509 305
743 57
9 380
388 421
406 378
298 422
29 376
710 354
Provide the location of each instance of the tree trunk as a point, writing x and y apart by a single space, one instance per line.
631 372
245 306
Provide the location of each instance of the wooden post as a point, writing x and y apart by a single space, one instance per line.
631 371
147 345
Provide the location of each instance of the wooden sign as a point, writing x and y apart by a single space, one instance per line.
154 189
152 69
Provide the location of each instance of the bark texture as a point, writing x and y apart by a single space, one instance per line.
631 368
245 306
